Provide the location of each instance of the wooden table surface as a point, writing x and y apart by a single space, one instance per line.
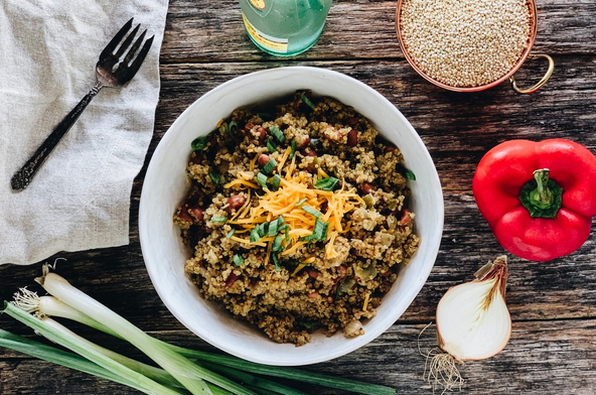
553 346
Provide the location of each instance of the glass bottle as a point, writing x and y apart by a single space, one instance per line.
284 27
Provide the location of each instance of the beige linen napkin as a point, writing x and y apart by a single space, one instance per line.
80 197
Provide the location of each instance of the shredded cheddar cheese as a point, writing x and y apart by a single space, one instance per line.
295 192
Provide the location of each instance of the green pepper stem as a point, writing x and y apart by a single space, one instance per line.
542 197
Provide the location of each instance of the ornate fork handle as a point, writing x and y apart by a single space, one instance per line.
23 177
118 63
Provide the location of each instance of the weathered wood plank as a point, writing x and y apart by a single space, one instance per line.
542 357
360 30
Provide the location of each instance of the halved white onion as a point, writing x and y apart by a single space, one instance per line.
473 321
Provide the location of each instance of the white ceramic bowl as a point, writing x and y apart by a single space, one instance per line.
165 187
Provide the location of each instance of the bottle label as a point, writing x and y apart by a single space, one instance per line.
272 43
260 4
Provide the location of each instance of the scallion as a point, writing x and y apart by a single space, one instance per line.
238 260
215 176
199 143
68 359
263 228
82 348
219 220
277 247
410 175
233 127
301 202
275 182
273 228
107 321
326 184
271 146
307 101
275 259
254 235
312 211
231 233
188 374
269 166
279 135
262 180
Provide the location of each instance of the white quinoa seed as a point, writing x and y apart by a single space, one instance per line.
465 43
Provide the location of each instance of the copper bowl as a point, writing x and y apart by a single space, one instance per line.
508 76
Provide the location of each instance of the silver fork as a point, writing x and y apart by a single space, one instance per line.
114 68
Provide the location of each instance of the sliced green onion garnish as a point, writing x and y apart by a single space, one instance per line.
233 127
277 244
219 219
254 235
320 229
238 260
279 135
215 176
326 184
410 175
312 211
301 202
262 180
286 230
271 146
269 166
199 143
273 228
325 229
231 233
307 101
275 182
263 229
275 259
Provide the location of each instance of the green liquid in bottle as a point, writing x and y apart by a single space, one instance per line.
284 27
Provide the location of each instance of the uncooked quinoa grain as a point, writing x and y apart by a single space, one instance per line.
465 43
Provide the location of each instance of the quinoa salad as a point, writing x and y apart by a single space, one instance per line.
297 216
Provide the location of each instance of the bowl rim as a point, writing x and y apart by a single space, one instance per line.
513 70
355 343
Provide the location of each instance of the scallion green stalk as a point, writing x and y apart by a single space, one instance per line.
259 383
64 358
149 371
143 383
59 309
286 372
189 374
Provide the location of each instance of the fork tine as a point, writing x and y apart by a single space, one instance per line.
117 38
136 64
127 42
134 48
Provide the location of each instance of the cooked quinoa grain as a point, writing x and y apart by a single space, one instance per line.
465 43
297 216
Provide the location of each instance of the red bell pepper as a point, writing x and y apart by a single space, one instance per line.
538 197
